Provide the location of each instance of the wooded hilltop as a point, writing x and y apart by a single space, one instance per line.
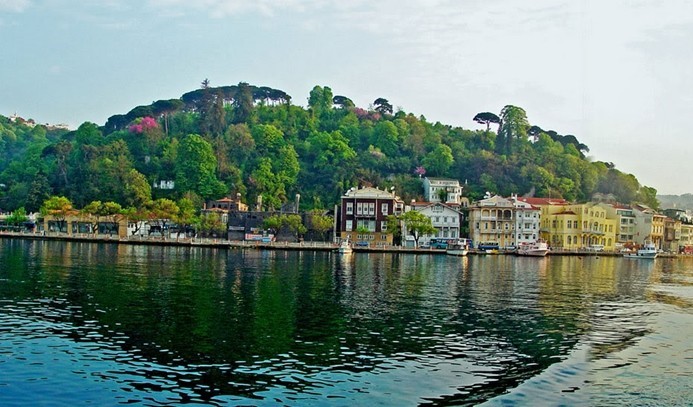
248 140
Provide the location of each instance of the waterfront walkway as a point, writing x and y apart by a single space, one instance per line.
240 244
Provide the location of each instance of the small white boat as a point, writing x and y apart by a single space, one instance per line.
538 249
344 247
458 248
647 251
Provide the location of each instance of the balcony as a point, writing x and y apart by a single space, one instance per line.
489 218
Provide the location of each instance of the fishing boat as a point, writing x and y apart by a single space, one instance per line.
458 248
538 249
344 247
647 251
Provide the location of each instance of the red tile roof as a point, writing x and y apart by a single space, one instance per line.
543 201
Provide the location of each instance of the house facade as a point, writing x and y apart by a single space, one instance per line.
578 226
649 226
363 212
442 190
446 218
492 220
686 240
672 235
527 222
625 219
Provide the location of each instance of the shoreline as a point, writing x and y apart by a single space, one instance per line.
256 245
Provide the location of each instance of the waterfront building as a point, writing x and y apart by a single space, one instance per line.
492 220
527 222
578 226
560 227
649 225
686 241
362 215
672 235
625 219
446 218
84 224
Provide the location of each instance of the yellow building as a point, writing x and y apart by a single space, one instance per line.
87 225
657 235
576 226
686 241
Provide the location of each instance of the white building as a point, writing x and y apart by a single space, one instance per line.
527 222
446 218
449 189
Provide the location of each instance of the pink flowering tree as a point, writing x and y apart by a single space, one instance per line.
420 171
143 124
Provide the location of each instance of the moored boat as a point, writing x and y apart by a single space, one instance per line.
538 249
458 248
647 251
344 247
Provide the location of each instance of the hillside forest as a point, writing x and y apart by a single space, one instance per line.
253 141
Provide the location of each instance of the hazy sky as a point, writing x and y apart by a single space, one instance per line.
617 74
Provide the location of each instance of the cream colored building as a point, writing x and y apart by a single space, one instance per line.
492 220
649 226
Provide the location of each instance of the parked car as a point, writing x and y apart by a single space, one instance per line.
362 244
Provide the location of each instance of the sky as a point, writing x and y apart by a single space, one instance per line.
617 74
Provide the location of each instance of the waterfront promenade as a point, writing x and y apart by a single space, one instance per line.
240 244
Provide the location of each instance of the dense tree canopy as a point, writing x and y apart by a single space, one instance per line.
249 140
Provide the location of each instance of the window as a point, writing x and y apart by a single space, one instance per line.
359 208
384 209
445 219
350 208
349 225
371 208
366 223
383 226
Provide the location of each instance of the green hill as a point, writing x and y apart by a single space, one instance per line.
253 141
